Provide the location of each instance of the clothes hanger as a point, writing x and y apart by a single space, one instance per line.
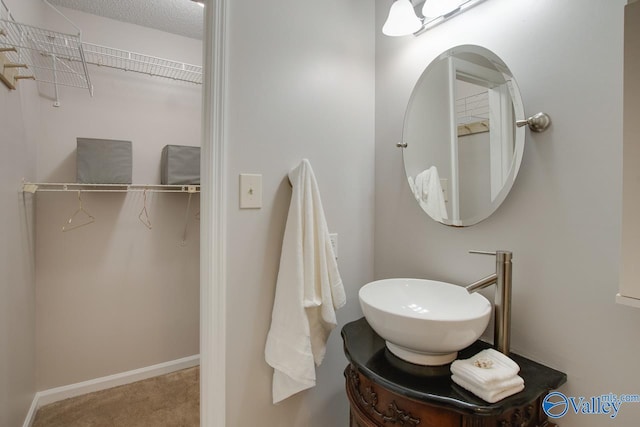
89 219
186 222
144 215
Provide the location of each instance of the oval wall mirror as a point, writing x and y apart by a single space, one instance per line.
461 146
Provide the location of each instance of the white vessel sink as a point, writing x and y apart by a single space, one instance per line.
423 321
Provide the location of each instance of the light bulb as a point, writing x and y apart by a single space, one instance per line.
435 8
402 19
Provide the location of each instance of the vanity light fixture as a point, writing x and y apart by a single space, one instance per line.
403 19
433 8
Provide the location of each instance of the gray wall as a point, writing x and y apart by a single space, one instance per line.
629 285
562 219
114 296
18 118
474 160
301 85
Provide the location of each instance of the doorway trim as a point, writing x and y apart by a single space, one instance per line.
213 227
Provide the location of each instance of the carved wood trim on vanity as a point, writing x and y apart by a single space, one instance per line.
369 400
372 405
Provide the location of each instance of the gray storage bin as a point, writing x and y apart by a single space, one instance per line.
103 161
180 165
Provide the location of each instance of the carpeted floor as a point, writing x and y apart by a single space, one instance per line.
171 400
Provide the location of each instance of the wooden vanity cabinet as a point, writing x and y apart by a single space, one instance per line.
372 405
384 391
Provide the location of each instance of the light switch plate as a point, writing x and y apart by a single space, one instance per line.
250 191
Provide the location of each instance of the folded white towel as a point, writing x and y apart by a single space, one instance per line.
497 386
308 291
492 395
502 368
428 192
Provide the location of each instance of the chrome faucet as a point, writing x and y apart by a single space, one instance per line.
502 315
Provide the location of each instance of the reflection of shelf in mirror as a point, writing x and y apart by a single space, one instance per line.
473 105
465 120
473 128
32 187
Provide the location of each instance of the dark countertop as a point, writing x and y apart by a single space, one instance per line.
367 351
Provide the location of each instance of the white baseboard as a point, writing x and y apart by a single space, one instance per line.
31 415
65 392
625 300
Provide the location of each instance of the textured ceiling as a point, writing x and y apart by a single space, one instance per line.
183 17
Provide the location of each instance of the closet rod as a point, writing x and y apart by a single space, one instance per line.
32 187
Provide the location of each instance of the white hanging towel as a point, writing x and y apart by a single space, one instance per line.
428 192
308 291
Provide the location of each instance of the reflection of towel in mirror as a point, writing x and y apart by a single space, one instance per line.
428 192
308 291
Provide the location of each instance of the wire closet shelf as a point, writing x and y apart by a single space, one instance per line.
61 59
33 187
103 56
49 56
